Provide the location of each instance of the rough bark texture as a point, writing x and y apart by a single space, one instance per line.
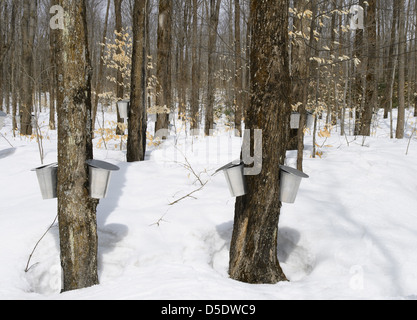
136 143
76 210
163 92
253 252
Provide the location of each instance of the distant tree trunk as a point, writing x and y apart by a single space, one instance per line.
194 73
136 143
401 72
119 76
163 73
239 73
76 210
415 67
301 53
391 61
371 85
101 66
358 52
29 20
211 90
53 76
253 251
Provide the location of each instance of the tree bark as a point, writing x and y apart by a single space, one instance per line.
76 210
136 143
253 251
163 90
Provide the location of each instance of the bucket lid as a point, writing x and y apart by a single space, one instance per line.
230 165
102 165
52 165
293 171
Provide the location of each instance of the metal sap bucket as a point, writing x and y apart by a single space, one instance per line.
235 178
100 173
290 183
47 178
152 117
124 106
2 117
295 120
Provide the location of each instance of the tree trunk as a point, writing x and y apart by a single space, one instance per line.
163 89
136 143
239 73
253 251
371 85
391 60
53 77
101 66
358 52
195 78
401 72
76 210
211 90
28 37
415 66
301 53
119 76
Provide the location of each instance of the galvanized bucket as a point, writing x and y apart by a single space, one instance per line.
152 117
123 107
47 178
295 120
290 183
100 173
235 178
2 117
310 120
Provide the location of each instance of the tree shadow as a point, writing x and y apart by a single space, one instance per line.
109 235
7 152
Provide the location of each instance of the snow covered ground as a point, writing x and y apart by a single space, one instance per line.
351 234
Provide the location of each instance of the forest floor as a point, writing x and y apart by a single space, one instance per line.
351 233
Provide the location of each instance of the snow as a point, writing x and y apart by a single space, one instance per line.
351 233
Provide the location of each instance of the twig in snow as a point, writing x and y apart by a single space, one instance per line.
6 140
37 243
188 195
188 166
